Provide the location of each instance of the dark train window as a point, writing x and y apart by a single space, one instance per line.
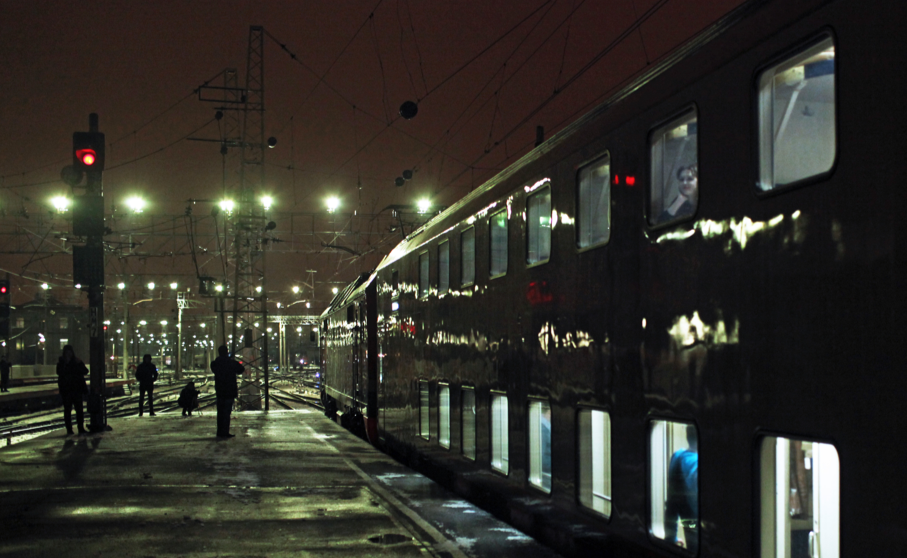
500 434
538 226
674 483
593 211
468 421
540 445
424 408
797 129
443 267
595 460
444 416
674 150
800 496
423 275
468 257
497 234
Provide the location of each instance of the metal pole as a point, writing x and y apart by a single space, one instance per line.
96 403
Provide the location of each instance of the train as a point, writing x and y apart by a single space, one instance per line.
687 343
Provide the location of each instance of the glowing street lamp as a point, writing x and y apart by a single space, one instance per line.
333 203
174 286
227 206
335 290
267 202
424 205
295 289
45 286
60 203
151 286
136 204
121 286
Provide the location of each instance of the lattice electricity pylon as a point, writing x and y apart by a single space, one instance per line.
249 298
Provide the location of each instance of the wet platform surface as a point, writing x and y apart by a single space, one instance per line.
291 483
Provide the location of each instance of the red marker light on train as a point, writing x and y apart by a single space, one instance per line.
631 180
616 179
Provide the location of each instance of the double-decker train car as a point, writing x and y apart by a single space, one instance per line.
678 319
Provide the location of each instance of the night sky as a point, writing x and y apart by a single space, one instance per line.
483 73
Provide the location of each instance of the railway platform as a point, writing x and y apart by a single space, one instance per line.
291 483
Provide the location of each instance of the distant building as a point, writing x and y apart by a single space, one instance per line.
39 329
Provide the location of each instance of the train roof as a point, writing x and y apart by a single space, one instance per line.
451 217
351 292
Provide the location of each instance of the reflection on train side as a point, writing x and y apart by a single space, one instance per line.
741 232
687 331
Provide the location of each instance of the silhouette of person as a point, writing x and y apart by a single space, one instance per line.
4 374
146 373
225 372
682 504
188 398
687 198
71 374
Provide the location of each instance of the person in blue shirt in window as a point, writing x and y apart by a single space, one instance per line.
682 506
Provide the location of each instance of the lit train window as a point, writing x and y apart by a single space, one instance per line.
468 421
595 460
497 234
538 229
593 210
468 257
423 274
500 434
443 267
444 416
797 129
800 499
674 192
540 445
424 410
674 483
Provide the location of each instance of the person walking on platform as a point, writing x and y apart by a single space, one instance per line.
225 372
4 374
146 374
188 398
71 374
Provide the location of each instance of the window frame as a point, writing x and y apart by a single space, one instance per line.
607 465
502 212
443 426
472 281
529 226
671 122
463 423
444 246
779 59
532 449
502 450
424 289
604 155
650 527
424 410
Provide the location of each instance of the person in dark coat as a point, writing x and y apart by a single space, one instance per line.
225 372
71 374
188 398
146 374
4 374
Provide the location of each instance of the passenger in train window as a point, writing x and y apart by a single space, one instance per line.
682 504
687 198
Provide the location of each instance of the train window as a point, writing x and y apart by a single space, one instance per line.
800 499
443 267
423 275
444 416
500 434
593 212
540 445
424 410
538 229
497 233
674 483
468 421
674 192
468 257
797 135
595 460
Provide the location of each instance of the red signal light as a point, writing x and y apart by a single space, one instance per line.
87 156
3 289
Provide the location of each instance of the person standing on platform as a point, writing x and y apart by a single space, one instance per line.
4 374
71 374
146 374
225 372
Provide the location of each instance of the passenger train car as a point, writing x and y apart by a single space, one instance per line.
686 338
